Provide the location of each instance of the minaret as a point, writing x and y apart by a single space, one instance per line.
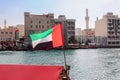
96 18
87 19
5 23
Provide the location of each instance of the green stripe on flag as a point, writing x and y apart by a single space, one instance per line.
40 35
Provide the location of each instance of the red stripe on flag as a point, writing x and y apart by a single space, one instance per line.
57 36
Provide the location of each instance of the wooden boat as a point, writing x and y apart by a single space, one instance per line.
32 72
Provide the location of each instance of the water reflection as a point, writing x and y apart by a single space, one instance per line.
86 64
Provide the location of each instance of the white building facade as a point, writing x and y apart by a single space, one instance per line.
8 34
109 27
78 33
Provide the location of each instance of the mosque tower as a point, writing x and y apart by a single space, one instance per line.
5 22
87 19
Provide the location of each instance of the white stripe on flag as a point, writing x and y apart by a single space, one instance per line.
43 40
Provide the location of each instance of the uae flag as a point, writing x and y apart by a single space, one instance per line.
52 37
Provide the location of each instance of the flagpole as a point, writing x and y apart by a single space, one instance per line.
63 47
65 64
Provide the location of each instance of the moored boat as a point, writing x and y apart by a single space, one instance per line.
32 72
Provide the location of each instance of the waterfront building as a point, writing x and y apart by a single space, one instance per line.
84 39
36 23
21 30
7 33
88 34
39 23
109 26
101 41
98 41
68 26
88 31
8 37
78 33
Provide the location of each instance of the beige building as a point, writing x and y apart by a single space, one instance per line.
109 27
7 34
88 32
21 30
11 32
36 23
40 23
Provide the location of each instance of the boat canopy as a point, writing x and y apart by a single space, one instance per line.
29 72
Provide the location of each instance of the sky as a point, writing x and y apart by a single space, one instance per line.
13 10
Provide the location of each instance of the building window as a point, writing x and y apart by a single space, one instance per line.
36 26
109 42
110 24
113 21
73 32
31 21
69 32
109 20
2 32
42 26
118 21
39 26
10 32
69 28
113 42
31 26
117 37
39 22
69 23
6 33
109 37
47 26
119 32
117 42
113 36
47 22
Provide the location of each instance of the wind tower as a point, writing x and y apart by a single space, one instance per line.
87 19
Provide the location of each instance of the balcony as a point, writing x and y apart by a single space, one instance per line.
118 27
110 32
110 24
114 38
110 28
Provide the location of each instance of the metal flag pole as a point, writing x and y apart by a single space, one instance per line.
65 65
66 77
63 47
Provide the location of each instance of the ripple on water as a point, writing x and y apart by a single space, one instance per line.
86 64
